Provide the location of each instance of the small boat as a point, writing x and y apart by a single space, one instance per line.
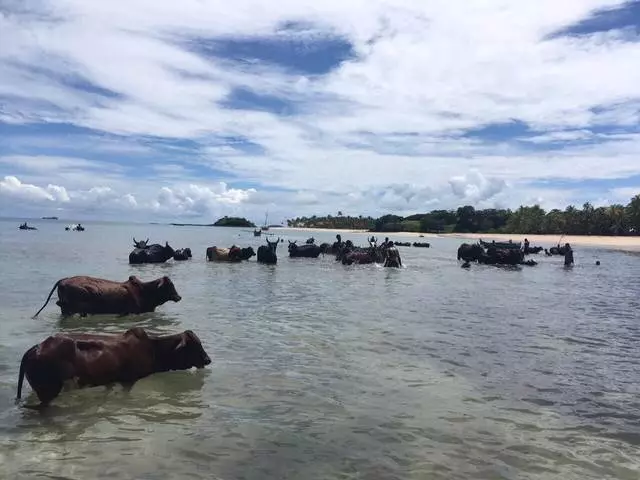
257 233
502 245
24 226
50 218
74 228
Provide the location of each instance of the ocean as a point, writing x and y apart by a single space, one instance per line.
325 371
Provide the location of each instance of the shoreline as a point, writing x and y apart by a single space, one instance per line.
375 234
630 244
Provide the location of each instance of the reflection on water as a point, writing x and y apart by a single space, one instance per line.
328 371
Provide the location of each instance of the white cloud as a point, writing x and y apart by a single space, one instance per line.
12 187
474 187
379 133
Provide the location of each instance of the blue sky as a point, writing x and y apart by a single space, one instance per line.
203 109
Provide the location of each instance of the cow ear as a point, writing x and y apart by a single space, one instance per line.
161 282
138 332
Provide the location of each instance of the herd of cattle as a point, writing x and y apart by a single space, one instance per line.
346 252
87 360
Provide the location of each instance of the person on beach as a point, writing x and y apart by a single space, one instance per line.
526 246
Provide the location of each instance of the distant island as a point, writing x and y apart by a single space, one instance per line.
233 222
49 218
613 220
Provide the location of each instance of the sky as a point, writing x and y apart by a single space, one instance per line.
162 110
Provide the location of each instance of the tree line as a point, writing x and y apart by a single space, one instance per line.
615 219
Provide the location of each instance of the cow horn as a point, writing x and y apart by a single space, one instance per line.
134 241
183 341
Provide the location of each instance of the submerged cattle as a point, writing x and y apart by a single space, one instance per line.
154 253
233 254
91 295
182 254
87 360
267 253
492 255
307 250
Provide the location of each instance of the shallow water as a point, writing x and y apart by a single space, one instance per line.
322 371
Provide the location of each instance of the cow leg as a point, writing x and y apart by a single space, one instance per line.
127 386
46 392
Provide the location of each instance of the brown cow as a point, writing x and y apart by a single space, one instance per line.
87 360
233 254
84 295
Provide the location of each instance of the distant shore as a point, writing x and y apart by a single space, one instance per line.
614 243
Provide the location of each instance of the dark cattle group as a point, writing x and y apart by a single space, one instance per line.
508 253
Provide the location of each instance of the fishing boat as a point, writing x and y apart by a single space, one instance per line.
24 226
502 245
257 233
265 227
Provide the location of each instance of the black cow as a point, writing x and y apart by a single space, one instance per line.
182 254
304 251
155 253
267 253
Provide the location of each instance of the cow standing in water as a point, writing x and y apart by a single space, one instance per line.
233 254
155 253
267 253
85 360
85 295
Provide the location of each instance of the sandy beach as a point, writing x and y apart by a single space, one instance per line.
615 243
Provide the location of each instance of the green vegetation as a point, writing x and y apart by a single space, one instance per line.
233 222
589 220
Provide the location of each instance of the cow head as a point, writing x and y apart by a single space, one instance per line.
272 245
189 352
140 243
247 253
292 245
166 290
168 249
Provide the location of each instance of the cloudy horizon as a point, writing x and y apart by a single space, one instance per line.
187 112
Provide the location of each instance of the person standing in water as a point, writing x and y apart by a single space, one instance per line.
568 255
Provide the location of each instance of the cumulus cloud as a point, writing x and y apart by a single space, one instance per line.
474 187
12 187
171 202
386 128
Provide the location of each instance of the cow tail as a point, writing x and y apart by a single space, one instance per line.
48 298
21 374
